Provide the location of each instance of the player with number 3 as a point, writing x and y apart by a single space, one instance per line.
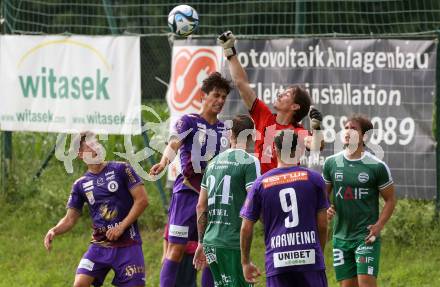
356 178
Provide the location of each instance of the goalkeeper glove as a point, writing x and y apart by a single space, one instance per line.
227 41
315 118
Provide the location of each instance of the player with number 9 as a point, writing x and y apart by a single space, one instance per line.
292 203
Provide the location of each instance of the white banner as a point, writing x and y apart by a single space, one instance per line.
70 84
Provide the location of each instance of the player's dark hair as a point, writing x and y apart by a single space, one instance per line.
241 123
363 121
288 135
84 136
302 98
215 80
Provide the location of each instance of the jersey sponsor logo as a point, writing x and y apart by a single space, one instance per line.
110 175
226 280
224 142
132 232
292 258
285 178
100 181
110 226
90 197
210 255
364 259
112 186
107 212
363 177
178 231
179 126
131 178
86 264
87 184
339 176
131 270
189 69
364 249
351 193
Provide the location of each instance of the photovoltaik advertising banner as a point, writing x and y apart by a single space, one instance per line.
391 81
70 84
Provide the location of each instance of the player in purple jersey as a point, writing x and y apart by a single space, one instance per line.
292 204
199 137
116 197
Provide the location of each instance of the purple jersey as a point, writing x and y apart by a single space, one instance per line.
201 142
288 200
109 199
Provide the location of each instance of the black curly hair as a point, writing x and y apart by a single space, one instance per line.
215 80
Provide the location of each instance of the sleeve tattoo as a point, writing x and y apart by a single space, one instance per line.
202 221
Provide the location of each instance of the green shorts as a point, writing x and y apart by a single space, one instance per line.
225 265
353 257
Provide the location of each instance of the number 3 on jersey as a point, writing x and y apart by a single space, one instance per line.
289 194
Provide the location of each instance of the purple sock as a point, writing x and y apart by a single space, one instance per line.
168 273
207 280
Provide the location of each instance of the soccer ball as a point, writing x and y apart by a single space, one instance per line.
183 20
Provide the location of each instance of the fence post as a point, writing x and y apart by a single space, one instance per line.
6 142
110 18
437 128
300 9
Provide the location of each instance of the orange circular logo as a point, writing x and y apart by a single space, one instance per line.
189 71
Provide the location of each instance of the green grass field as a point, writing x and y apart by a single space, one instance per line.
410 254
24 261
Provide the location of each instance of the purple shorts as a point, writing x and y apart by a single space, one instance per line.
127 263
183 217
298 279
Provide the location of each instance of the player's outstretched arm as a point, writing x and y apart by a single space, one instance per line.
389 196
168 156
63 226
238 74
140 202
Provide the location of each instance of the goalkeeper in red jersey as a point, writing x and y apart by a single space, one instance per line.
291 105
